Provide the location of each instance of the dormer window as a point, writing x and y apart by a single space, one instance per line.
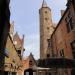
73 48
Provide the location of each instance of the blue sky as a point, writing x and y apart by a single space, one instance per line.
25 14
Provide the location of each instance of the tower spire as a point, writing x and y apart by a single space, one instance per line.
44 4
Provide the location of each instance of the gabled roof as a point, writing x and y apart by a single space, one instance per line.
16 36
18 40
31 57
11 28
44 5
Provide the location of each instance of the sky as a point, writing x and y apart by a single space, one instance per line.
25 14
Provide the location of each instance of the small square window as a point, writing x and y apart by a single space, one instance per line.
47 28
19 51
46 12
48 55
49 43
62 53
73 48
46 19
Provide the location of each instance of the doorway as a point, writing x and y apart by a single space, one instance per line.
28 72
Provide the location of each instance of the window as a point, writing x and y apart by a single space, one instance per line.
34 73
62 53
19 51
6 52
46 12
30 62
69 22
27 73
69 25
73 72
49 74
49 43
48 55
46 19
47 28
73 48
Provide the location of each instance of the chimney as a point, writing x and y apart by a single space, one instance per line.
62 12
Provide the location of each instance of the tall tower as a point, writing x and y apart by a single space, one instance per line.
46 29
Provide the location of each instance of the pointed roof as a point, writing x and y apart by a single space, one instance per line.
12 27
44 4
16 35
18 39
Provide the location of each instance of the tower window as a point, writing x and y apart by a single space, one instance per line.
73 48
62 53
49 43
47 28
46 19
46 12
48 55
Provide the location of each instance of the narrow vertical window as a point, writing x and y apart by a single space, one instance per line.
73 48
46 12
49 43
62 53
69 22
